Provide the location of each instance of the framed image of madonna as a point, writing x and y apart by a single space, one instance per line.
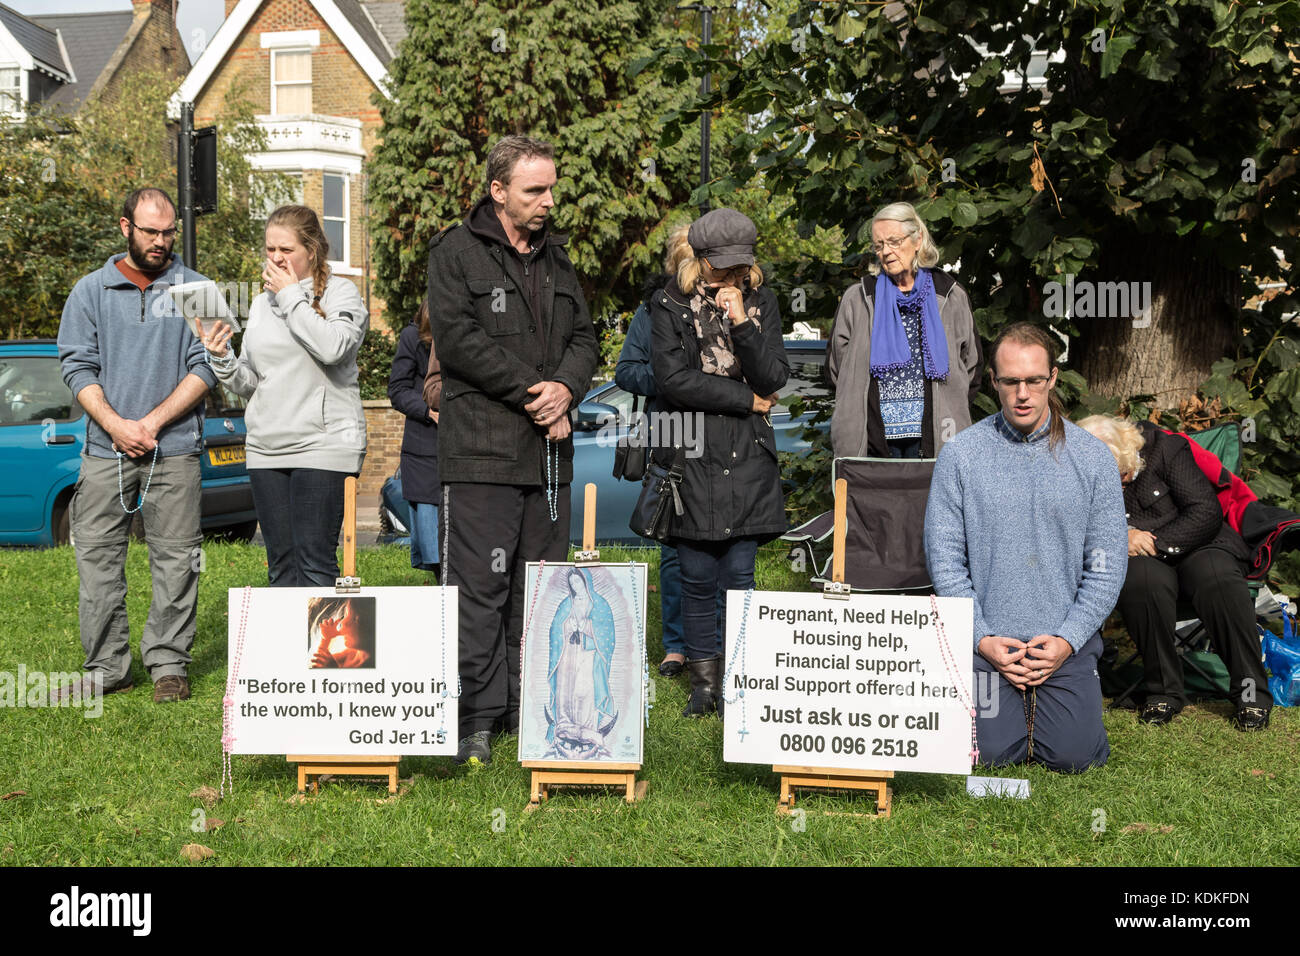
583 693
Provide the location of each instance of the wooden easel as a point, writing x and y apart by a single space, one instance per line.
835 778
546 775
310 767
559 773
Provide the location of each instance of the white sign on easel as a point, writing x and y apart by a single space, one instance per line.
873 682
319 672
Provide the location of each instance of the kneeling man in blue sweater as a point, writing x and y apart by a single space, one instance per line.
1026 517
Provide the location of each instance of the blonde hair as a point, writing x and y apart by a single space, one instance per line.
1122 438
682 262
903 213
678 249
307 229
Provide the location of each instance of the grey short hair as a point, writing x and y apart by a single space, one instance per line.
507 152
903 213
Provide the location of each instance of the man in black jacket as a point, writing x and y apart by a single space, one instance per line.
518 350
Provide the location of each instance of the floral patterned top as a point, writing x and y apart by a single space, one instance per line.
902 390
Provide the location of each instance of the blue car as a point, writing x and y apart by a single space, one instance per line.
43 429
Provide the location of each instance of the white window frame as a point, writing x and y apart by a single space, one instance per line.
20 109
293 172
274 85
345 260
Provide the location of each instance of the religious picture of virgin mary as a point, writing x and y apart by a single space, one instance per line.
581 713
583 668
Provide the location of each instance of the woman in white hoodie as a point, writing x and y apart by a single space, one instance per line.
298 368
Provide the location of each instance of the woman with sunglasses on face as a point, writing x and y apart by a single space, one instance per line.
298 368
904 355
719 361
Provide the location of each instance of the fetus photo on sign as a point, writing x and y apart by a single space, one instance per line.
341 631
583 670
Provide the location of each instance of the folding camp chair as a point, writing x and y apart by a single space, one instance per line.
885 542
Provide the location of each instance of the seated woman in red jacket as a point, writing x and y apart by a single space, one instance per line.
1180 546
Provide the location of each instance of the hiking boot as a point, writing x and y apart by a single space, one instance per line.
170 688
1250 718
475 749
706 686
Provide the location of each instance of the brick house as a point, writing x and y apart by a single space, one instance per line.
63 60
310 67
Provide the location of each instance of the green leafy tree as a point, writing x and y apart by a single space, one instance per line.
1157 146
469 73
64 181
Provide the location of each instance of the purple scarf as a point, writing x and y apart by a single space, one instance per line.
889 348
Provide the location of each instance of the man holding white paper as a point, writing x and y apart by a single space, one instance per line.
136 367
1026 517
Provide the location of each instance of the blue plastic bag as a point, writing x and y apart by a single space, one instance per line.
1282 656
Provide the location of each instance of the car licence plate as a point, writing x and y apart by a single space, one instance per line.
226 455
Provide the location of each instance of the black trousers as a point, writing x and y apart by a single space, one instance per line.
301 513
492 532
1215 584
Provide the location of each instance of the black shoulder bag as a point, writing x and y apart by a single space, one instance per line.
660 499
631 452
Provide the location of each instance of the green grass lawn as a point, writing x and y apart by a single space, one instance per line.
117 790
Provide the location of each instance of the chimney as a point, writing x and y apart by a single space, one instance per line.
166 7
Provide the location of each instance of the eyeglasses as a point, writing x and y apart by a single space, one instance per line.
734 274
893 243
1035 383
167 234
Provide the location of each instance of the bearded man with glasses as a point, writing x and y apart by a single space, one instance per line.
136 367
1026 518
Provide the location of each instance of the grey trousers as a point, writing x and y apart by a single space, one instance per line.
1066 709
100 529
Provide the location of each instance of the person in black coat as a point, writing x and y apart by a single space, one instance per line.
719 362
420 485
635 374
1180 546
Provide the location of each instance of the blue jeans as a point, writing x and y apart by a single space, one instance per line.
709 570
670 599
301 512
424 536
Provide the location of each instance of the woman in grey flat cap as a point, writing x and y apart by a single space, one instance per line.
718 356
904 355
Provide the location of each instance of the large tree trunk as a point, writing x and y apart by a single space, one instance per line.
1193 322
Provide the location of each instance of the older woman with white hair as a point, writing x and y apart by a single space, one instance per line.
904 354
1180 546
